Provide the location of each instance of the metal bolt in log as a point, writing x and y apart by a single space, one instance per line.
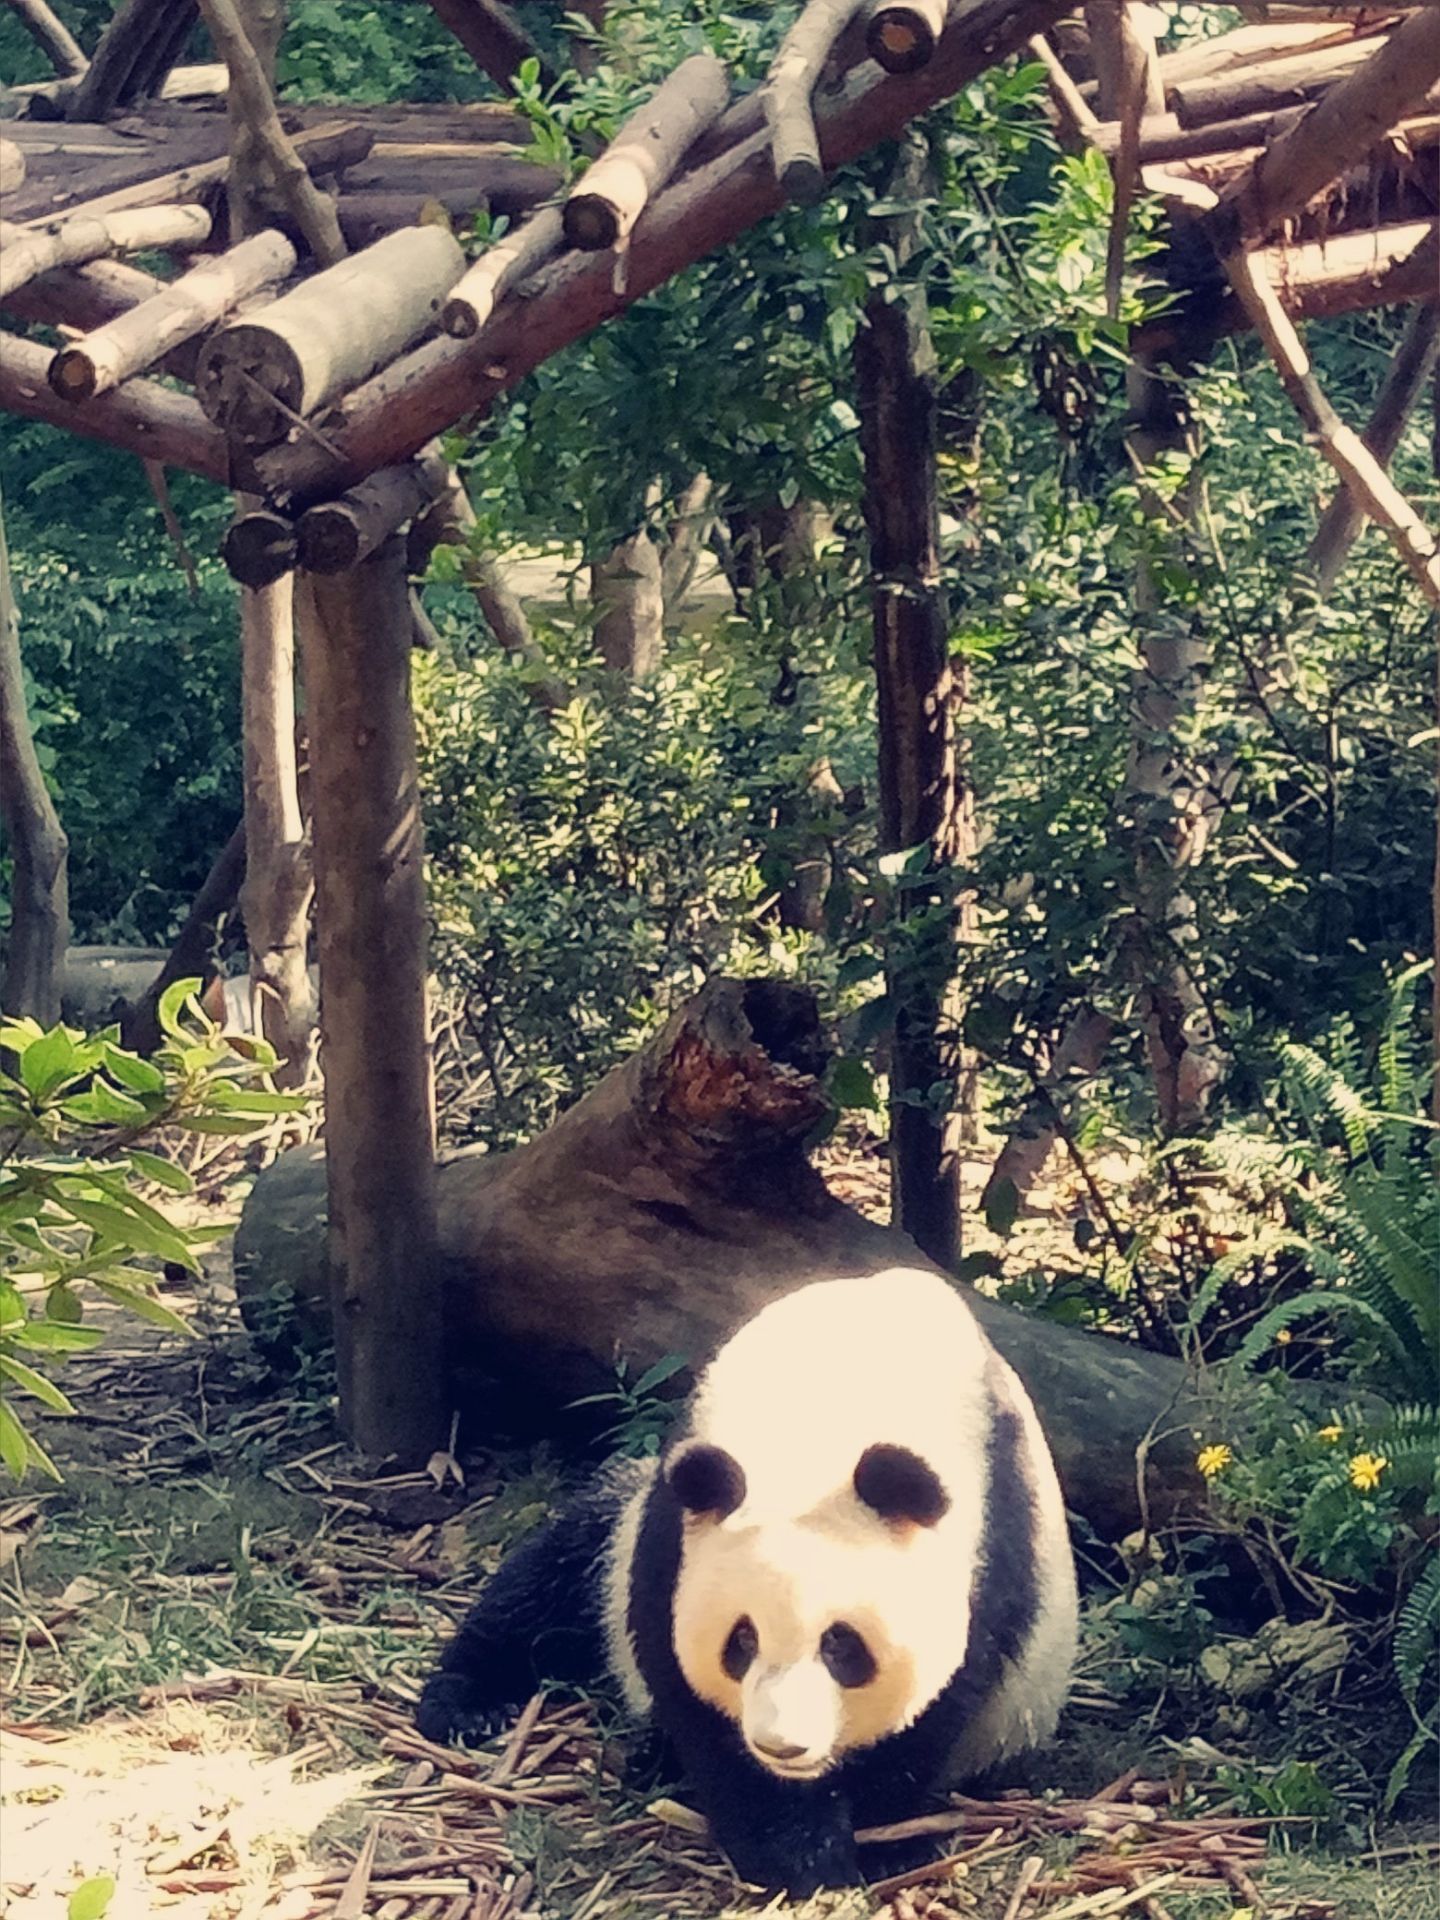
147 333
499 268
902 34
260 547
257 376
341 533
645 153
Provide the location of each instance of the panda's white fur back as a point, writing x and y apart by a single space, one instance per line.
796 1396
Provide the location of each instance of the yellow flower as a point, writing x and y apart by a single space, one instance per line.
1366 1469
1329 1434
1213 1459
1284 1337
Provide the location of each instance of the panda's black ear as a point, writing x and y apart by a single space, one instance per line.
706 1479
899 1485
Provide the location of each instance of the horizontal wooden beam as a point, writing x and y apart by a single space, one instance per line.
144 418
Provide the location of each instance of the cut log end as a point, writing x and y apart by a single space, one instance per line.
802 181
461 319
72 374
901 39
259 548
590 222
329 539
250 383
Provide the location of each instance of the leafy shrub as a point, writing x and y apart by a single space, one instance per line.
74 1218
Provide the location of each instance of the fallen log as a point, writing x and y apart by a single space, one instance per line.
27 252
645 153
666 1207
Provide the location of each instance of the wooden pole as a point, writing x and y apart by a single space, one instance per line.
28 251
794 140
493 38
472 299
40 908
62 49
338 534
364 789
136 51
901 34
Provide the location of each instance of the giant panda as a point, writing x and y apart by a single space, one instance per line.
845 1582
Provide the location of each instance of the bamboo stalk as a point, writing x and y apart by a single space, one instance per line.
147 333
28 251
312 210
794 142
1369 484
258 375
498 269
645 153
902 35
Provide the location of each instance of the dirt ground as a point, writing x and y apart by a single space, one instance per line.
213 1637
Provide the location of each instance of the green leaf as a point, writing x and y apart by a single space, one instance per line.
165 1173
128 1226
1002 1207
35 1384
236 1123
143 1306
174 1001
141 1076
853 1085
91 1899
664 1369
229 1098
47 1062
103 1106
14 1450
56 1336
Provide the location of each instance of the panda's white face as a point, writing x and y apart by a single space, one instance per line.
814 1636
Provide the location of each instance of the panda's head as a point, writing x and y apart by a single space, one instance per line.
819 1634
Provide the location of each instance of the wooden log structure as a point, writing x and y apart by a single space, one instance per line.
260 547
138 48
794 140
645 153
1267 88
26 252
144 335
668 1206
901 35
1162 138
371 939
505 265
259 375
338 534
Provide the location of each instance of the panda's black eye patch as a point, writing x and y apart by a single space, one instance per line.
848 1660
741 1648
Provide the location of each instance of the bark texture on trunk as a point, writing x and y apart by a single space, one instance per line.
40 906
379 1107
666 1208
629 602
919 797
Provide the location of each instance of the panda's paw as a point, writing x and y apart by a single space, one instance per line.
797 1863
454 1708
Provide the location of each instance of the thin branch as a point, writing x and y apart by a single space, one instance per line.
1374 492
312 211
1077 119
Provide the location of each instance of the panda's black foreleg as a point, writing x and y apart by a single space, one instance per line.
795 1835
540 1617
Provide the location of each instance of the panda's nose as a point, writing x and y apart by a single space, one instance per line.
779 1750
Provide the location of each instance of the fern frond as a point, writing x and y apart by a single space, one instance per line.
1416 1632
1318 1300
1323 1089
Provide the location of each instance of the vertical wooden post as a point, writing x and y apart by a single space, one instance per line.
918 797
370 896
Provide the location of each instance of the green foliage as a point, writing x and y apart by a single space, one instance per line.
74 1219
643 1418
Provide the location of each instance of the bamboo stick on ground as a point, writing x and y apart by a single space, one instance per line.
794 141
1373 490
258 375
498 269
645 153
26 252
195 301
901 35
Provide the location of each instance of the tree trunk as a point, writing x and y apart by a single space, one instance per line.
629 604
40 906
918 790
667 1207
193 954
379 1104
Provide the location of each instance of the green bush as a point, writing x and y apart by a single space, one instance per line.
74 1176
